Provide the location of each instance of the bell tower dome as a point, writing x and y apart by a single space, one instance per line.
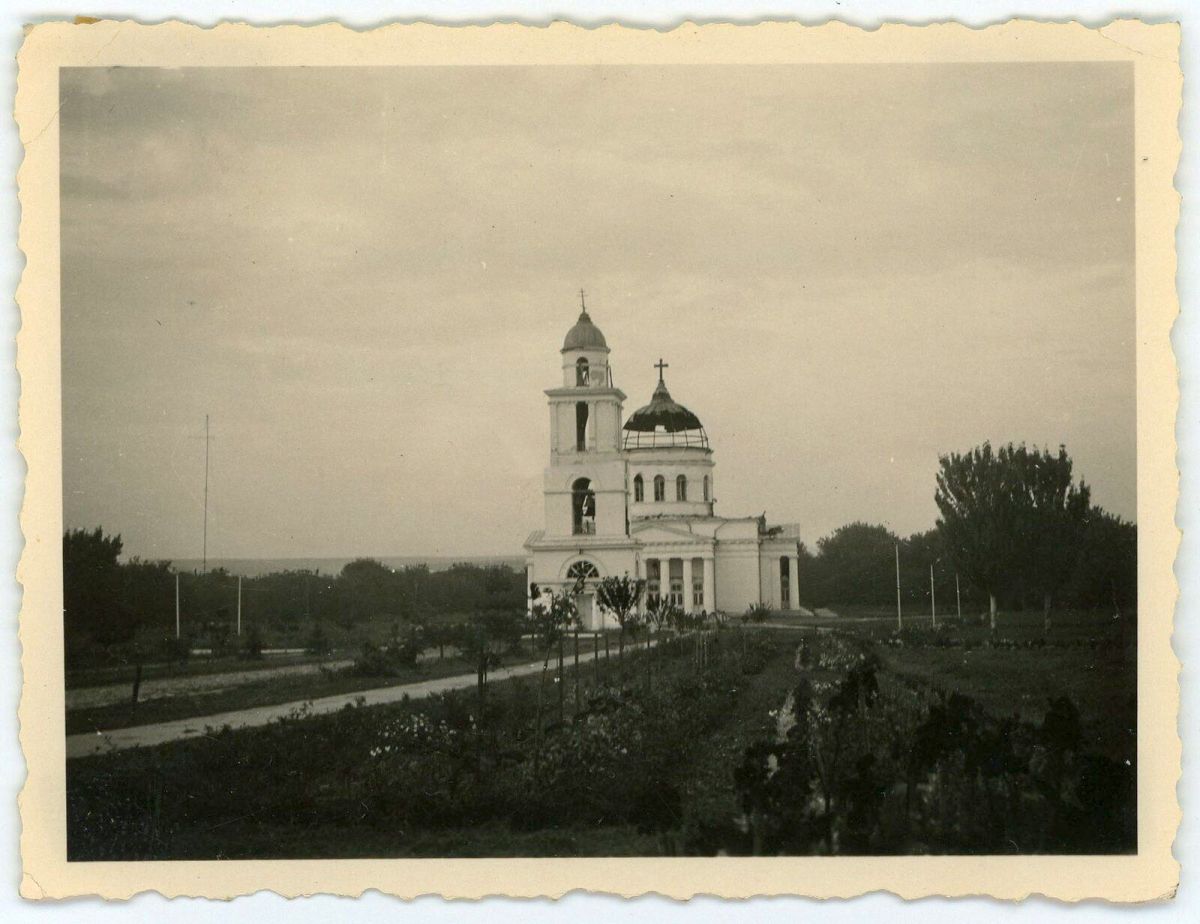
585 353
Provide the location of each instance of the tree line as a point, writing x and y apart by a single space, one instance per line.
1015 531
108 602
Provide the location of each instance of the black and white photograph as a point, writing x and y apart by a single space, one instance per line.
600 460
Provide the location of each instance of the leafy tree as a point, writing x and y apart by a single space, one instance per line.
553 613
1106 570
94 612
854 565
979 521
1054 513
620 596
1010 515
369 589
483 639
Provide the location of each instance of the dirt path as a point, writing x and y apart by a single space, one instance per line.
140 736
148 735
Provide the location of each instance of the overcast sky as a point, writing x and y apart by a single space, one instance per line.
364 276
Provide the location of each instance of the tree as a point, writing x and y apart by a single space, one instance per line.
1106 570
1054 513
620 596
483 639
369 589
1009 516
854 565
553 613
93 610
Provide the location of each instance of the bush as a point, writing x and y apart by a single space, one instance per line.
252 648
393 659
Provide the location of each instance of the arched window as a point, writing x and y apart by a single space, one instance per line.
583 375
660 488
583 507
639 489
582 570
581 422
681 488
707 489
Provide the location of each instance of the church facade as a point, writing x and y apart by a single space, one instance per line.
638 497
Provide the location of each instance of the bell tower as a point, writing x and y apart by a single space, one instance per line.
585 491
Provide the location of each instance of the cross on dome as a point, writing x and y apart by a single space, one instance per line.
660 366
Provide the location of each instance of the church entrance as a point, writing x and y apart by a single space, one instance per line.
585 605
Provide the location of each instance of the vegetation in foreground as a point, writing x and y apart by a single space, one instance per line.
738 741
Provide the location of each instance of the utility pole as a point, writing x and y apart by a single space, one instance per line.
204 564
932 597
899 617
239 608
177 604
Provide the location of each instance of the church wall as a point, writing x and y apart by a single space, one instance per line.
769 579
737 577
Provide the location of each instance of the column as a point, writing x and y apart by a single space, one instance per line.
591 427
794 582
710 584
774 595
687 584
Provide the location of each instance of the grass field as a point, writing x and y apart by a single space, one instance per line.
665 766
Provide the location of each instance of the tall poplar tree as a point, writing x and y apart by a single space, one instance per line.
1011 516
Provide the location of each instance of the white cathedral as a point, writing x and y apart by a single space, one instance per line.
639 499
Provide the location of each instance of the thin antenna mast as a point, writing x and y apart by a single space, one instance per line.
204 564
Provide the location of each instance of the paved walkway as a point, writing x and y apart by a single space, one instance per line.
140 736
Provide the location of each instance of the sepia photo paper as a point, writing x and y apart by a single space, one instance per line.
373 390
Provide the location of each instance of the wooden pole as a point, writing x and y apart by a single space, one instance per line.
204 560
239 611
932 598
562 692
596 658
899 617
957 596
576 670
177 604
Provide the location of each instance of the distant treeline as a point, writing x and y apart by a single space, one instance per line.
1015 528
856 564
107 601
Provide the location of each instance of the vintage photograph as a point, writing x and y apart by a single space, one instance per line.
600 460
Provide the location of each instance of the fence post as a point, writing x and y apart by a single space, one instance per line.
561 680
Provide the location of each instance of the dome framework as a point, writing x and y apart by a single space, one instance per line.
664 423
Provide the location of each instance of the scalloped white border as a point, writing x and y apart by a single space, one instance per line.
1154 53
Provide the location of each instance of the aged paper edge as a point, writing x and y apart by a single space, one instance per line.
1153 51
